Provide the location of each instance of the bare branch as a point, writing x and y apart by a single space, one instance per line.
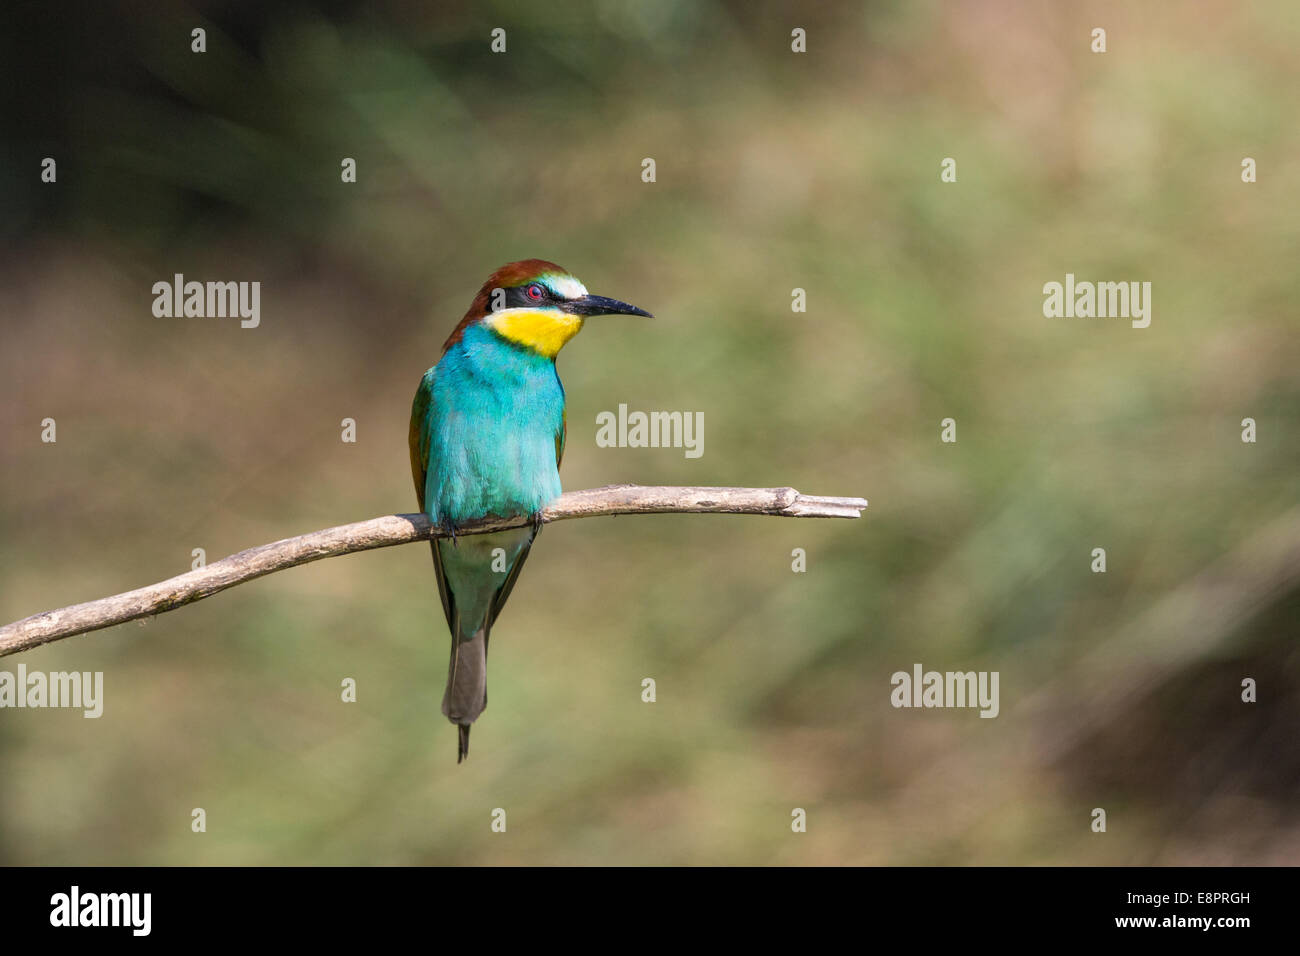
402 529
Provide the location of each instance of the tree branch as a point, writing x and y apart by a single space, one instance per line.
402 529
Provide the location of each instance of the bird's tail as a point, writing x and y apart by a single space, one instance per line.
466 694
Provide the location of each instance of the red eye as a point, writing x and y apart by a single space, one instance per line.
534 291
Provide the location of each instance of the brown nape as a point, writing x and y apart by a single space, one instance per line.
510 274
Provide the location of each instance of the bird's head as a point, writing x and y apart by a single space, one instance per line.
537 305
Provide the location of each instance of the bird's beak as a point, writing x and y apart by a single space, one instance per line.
599 305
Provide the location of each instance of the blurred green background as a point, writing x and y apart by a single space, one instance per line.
774 170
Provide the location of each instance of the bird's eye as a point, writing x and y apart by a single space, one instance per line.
534 292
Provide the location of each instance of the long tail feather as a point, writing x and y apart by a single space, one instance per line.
473 593
463 749
466 694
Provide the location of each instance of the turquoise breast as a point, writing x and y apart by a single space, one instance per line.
496 413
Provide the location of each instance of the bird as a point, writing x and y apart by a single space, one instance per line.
487 436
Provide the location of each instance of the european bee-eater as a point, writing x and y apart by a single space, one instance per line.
487 436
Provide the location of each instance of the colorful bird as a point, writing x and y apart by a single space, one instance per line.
487 436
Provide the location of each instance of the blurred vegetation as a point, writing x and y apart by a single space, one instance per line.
775 171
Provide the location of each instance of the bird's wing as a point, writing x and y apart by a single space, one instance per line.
560 437
418 437
499 599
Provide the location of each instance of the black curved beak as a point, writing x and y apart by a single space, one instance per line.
599 305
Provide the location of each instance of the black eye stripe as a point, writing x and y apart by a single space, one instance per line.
517 296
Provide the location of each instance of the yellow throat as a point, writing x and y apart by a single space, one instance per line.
545 331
